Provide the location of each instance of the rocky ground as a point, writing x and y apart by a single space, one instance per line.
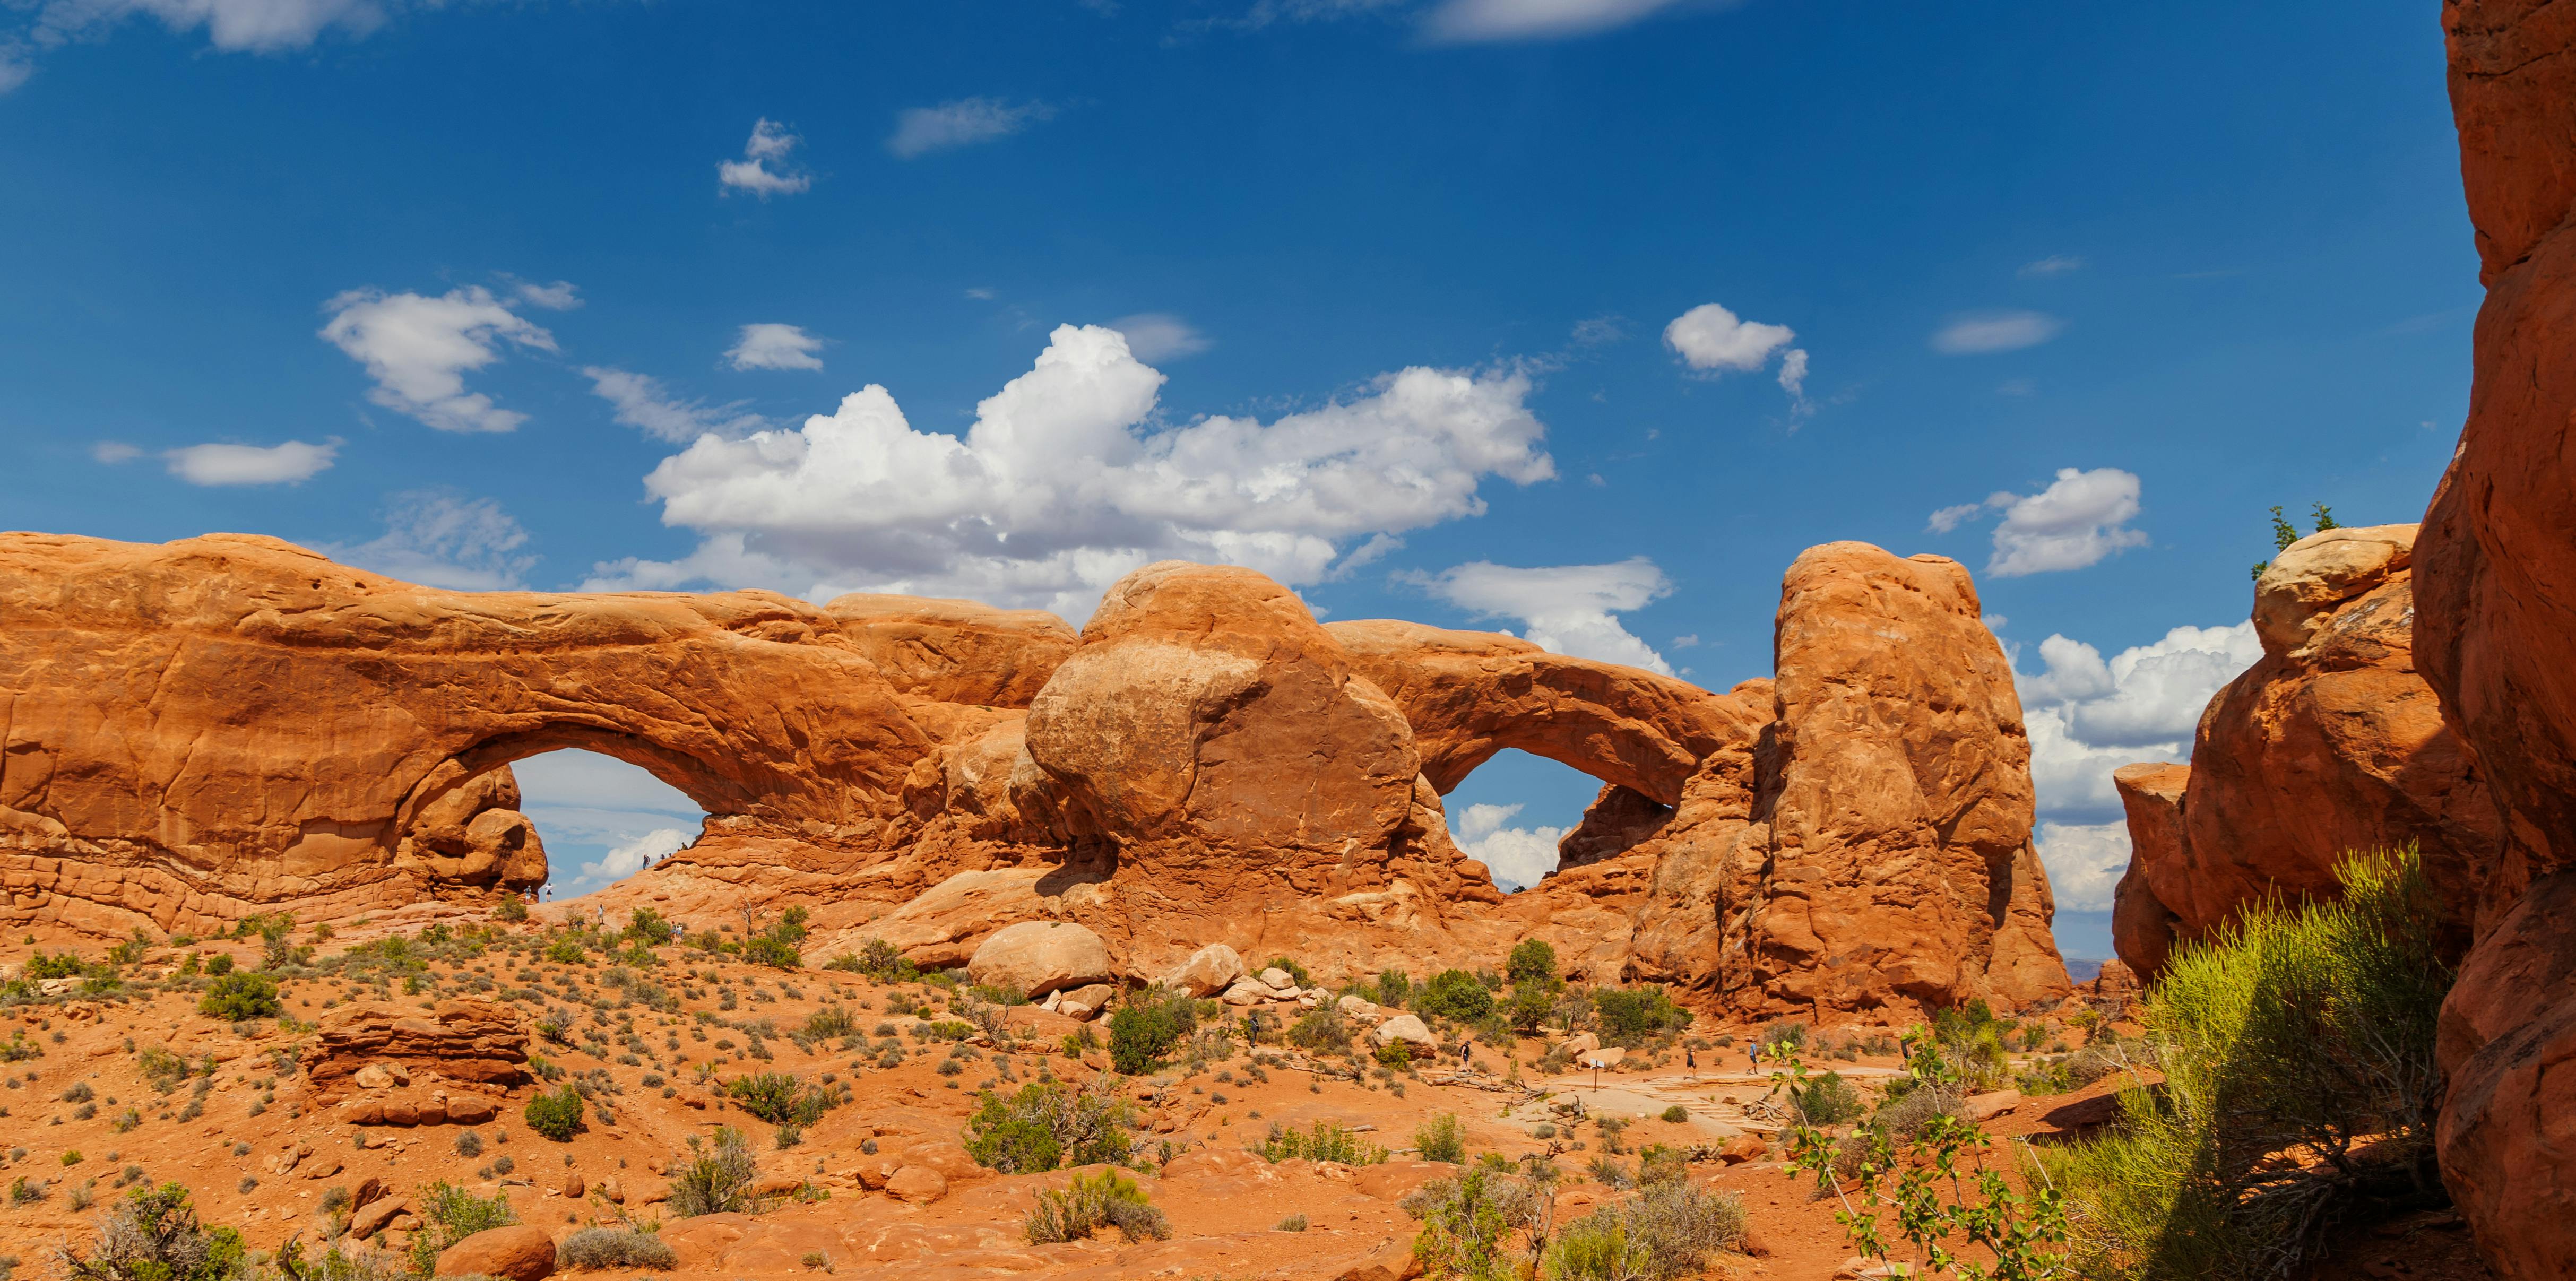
393 1069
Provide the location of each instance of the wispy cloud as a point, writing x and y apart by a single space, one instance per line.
2080 518
1979 333
1477 21
418 349
290 463
1160 335
769 346
918 131
2052 265
640 402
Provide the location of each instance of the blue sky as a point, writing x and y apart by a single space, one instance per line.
1472 311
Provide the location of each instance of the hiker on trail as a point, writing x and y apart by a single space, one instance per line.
1753 1052
1466 1049
1689 1060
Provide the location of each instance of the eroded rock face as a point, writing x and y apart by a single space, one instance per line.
205 727
1872 845
1034 958
463 1039
2496 561
2495 635
475 835
2331 743
1207 716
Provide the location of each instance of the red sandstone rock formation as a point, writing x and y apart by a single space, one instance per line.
1874 844
2495 632
229 723
462 1039
2330 744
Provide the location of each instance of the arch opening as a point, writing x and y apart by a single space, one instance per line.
1516 810
602 819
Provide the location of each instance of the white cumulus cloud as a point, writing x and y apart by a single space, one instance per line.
443 539
1517 856
1565 609
764 170
1978 333
1065 481
769 346
629 857
1467 21
1713 340
2088 716
2082 517
918 131
285 464
419 348
1160 335
244 26
641 402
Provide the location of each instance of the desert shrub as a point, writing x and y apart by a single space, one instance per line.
1631 1014
355 1263
1442 1138
830 1021
1396 1055
614 1248
1091 1202
469 1144
1532 961
647 927
556 1116
63 966
2307 1029
450 1214
1677 1114
1394 987
716 1178
220 964
1325 1142
1783 1034
1296 973
153 1235
512 910
1826 1099
1321 1030
1455 994
878 960
778 945
1669 1231
234 997
1906 1116
783 1098
1659 1164
1467 1219
1046 1125
1146 1026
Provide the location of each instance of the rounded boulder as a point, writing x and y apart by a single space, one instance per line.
1034 958
1209 971
519 1252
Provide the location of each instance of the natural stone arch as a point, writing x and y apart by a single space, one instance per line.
1472 694
201 728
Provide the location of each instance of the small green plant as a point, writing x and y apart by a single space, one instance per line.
1146 1026
1467 1221
153 1235
234 997
782 1098
1293 1223
450 1214
1091 1202
1325 1142
593 1248
1394 988
1455 994
1321 1031
2284 533
1046 1125
715 1178
777 946
557 1116
1442 1138
1670 1231
1826 1100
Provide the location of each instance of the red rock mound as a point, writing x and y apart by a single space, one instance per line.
462 1039
2331 743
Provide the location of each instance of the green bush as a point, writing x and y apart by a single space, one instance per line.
1782 1034
1092 1202
450 1214
1325 1142
1531 961
649 928
2307 1029
783 1098
64 966
1455 994
716 1181
878 960
1827 1099
1046 1125
1394 988
1295 971
779 945
1146 1026
1442 1138
614 1248
1677 1114
1631 1014
1467 1220
1529 1007
1321 1031
556 1116
235 997
1397 1055
153 1235
1669 1231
